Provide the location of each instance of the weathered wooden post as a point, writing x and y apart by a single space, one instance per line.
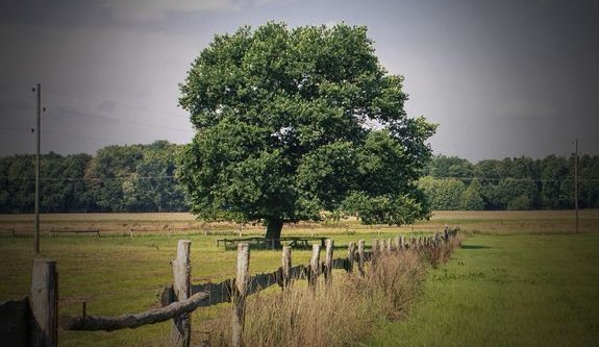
43 301
389 245
351 254
181 330
397 243
314 266
239 293
286 266
361 257
328 262
376 250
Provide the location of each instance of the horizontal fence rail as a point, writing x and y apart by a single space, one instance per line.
175 309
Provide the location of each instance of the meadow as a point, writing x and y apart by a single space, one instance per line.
521 279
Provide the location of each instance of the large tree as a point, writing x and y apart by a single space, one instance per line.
299 124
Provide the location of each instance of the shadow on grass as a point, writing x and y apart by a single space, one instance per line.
474 247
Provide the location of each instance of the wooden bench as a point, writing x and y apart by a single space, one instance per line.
74 230
261 242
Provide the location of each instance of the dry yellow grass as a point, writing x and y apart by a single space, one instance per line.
341 314
474 221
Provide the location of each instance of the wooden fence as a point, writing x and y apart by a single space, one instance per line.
33 321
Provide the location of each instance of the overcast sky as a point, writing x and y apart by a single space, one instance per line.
501 78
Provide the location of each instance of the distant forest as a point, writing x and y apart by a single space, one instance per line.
141 178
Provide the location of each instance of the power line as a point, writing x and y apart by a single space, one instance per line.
16 129
120 120
131 107
96 179
492 179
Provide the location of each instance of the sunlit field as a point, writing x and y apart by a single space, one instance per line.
521 273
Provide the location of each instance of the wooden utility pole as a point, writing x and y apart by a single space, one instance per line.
576 182
38 135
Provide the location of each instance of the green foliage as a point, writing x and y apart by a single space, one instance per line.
517 194
471 197
291 123
119 179
443 194
446 167
135 178
518 183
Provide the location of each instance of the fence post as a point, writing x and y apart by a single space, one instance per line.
314 266
328 262
181 330
239 293
351 253
376 251
43 301
286 266
361 257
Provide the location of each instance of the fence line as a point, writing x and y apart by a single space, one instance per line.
40 327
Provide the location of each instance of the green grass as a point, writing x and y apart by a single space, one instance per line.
522 281
517 290
117 274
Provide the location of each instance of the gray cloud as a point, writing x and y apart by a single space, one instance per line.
502 78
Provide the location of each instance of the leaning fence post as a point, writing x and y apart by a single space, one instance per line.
328 262
43 301
314 266
286 266
181 330
240 292
351 253
361 257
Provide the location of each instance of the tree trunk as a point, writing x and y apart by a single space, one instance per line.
273 232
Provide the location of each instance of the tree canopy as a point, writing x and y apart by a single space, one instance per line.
295 124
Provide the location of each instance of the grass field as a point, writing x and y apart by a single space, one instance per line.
517 290
522 278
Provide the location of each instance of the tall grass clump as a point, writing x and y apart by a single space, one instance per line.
393 282
339 314
440 253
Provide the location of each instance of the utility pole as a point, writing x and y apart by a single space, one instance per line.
38 131
576 182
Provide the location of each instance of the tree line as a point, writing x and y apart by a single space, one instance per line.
523 183
134 178
142 178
